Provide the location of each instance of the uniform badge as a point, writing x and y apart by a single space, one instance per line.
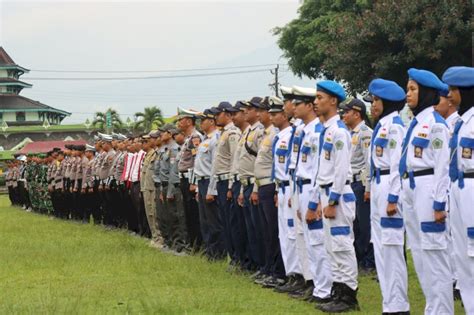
339 145
355 139
392 144
437 143
304 157
466 153
281 159
379 151
422 135
296 147
418 152
327 155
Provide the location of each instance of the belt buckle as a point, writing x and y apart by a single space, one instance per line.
257 181
405 175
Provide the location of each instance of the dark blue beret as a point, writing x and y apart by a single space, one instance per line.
387 90
459 76
332 88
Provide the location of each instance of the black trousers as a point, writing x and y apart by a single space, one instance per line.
191 215
363 247
212 228
273 260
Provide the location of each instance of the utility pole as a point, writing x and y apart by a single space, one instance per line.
275 85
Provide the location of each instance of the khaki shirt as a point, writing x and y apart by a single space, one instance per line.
188 151
250 141
147 171
264 160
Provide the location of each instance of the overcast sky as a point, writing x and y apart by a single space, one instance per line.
145 36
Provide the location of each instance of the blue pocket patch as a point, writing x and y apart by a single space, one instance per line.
433 227
316 225
327 146
381 142
305 150
393 223
281 152
470 232
291 223
340 230
467 143
420 142
349 197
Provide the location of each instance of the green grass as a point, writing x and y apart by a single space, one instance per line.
50 266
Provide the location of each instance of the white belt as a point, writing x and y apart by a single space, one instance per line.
245 181
222 177
183 174
263 181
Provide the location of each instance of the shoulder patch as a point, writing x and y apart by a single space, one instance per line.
339 144
342 125
439 119
437 143
398 120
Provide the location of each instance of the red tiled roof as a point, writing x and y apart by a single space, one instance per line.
5 59
46 146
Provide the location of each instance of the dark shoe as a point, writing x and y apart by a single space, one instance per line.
255 275
273 282
344 300
304 293
261 280
318 300
296 284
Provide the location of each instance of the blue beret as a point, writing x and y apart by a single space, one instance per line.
459 76
445 91
332 88
426 78
386 89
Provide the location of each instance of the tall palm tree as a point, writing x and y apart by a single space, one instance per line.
150 118
100 119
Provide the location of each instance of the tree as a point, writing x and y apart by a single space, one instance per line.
150 118
356 41
100 120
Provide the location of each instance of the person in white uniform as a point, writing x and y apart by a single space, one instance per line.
424 168
461 172
387 226
336 198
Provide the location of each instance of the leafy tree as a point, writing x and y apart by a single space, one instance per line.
150 118
100 120
355 41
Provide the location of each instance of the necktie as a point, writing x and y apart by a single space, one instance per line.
275 140
321 139
299 146
453 143
403 161
372 164
290 148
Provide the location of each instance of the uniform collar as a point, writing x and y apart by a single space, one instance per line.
269 129
424 113
211 134
357 128
331 121
453 117
387 118
229 125
255 125
468 115
311 124
286 130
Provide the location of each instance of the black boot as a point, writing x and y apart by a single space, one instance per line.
296 283
343 300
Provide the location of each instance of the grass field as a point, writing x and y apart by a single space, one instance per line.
48 266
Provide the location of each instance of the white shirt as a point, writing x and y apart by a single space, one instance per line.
466 143
387 150
428 147
282 154
308 156
298 128
451 121
135 169
335 158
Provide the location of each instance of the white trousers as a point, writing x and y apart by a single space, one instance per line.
297 234
319 265
429 247
388 239
339 238
287 233
462 219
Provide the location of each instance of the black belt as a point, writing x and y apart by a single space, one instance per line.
330 185
426 172
381 172
468 175
303 181
283 183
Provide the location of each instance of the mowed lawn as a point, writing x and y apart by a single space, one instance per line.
48 266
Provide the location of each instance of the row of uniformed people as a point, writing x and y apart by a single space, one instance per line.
272 184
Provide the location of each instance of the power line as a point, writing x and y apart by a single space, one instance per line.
152 71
